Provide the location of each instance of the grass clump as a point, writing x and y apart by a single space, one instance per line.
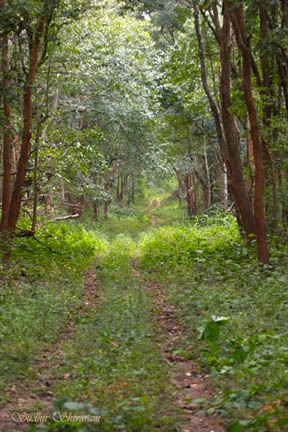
178 247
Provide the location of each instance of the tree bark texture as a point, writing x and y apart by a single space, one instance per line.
234 165
243 44
230 140
15 202
6 184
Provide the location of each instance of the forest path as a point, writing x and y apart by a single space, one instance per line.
189 382
36 389
152 208
39 388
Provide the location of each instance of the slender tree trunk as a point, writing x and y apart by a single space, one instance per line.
212 103
266 62
181 186
243 44
180 182
27 126
118 188
230 140
49 202
81 205
35 179
126 186
133 181
108 202
189 198
193 191
121 189
234 165
220 183
95 211
269 106
282 55
106 207
63 193
284 179
6 184
207 187
128 190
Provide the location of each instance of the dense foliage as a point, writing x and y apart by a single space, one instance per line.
99 96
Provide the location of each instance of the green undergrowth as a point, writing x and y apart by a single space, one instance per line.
114 365
234 316
180 246
40 292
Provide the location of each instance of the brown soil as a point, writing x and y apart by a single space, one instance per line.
22 397
189 381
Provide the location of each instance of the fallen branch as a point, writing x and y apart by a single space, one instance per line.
65 218
27 233
24 233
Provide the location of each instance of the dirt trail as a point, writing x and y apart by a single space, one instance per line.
188 380
154 219
37 390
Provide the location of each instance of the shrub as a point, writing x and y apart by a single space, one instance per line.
180 246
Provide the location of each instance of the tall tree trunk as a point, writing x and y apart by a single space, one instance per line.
180 182
133 188
95 211
207 185
6 184
268 96
126 186
63 193
121 189
221 183
234 165
189 198
106 207
193 191
250 157
243 44
118 187
81 205
27 126
212 103
230 140
107 202
35 179
282 54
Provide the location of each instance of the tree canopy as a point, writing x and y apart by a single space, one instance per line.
99 94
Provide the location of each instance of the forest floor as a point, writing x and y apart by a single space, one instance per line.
36 392
124 347
189 382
